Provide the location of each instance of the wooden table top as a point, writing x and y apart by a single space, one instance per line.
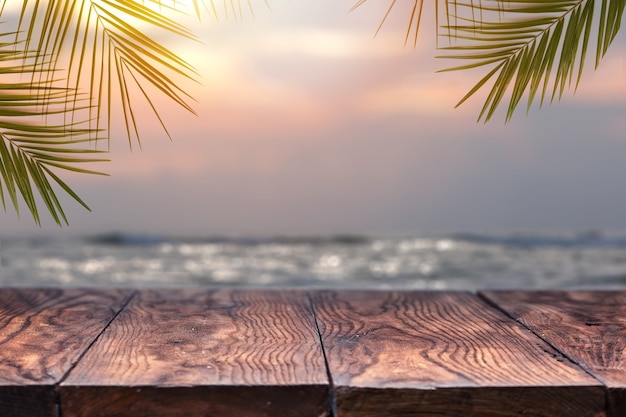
243 352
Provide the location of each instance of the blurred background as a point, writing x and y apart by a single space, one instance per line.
323 155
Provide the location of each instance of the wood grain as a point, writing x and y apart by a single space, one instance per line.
449 354
587 326
204 353
43 332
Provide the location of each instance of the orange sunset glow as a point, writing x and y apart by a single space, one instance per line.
308 123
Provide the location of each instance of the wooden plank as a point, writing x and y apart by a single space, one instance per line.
204 353
43 332
587 326
442 353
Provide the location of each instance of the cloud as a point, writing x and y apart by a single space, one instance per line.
324 44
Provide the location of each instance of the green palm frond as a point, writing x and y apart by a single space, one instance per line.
105 48
86 59
32 147
533 47
536 47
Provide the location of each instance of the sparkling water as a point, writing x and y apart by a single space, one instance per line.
456 261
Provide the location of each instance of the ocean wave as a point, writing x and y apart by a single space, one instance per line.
125 239
530 241
130 239
460 261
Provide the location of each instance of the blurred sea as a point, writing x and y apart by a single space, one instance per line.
455 261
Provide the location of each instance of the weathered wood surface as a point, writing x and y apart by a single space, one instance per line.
223 353
587 326
204 353
448 354
43 332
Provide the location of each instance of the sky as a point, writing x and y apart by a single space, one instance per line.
308 123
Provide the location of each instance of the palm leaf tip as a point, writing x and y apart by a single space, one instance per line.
414 12
28 162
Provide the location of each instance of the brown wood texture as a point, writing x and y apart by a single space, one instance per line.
587 326
204 353
43 332
444 354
